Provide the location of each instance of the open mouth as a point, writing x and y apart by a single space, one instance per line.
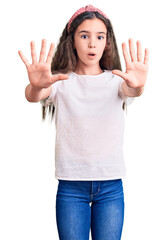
91 54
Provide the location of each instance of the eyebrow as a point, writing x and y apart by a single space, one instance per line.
83 31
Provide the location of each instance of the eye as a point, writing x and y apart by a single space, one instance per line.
100 37
84 36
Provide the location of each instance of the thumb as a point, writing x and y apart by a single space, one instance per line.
119 73
59 77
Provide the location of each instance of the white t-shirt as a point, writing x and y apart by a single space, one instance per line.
89 123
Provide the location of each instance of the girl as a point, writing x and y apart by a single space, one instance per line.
84 88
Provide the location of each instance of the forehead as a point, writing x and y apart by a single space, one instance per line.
95 25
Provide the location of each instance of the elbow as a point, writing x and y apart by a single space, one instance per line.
30 99
139 92
29 96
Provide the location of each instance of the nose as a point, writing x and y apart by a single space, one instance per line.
91 46
92 43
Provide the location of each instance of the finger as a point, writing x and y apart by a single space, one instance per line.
50 54
120 74
43 51
23 58
59 77
33 52
132 50
125 53
146 57
139 51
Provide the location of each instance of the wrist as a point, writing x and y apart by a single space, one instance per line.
130 91
34 88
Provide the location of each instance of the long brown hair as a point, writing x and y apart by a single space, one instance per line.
65 57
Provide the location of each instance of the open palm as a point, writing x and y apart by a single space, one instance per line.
39 72
136 69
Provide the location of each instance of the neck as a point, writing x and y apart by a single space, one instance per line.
88 70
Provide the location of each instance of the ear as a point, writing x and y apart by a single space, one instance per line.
74 45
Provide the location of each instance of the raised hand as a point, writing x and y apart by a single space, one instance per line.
136 68
39 72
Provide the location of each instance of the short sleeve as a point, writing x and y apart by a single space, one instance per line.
127 100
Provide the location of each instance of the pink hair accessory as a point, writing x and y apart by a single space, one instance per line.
88 8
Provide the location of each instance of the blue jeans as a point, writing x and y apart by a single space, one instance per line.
85 205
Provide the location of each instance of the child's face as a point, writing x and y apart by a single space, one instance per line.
90 41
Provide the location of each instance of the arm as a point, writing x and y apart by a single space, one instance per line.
131 92
136 70
33 94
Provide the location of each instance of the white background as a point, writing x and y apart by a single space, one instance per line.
27 183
